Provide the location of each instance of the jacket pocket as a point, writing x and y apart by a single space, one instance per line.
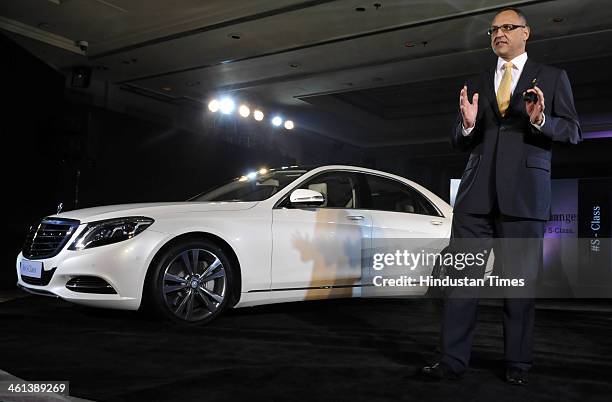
538 163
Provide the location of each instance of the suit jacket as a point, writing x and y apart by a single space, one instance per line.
509 158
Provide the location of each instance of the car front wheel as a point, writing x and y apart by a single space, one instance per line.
191 282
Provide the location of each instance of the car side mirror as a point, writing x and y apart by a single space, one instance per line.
306 198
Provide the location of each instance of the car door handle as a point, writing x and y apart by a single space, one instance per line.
355 217
436 222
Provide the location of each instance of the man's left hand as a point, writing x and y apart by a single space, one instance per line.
535 110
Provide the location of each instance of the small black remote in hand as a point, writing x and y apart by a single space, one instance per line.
530 96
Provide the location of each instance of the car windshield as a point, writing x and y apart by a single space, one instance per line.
256 186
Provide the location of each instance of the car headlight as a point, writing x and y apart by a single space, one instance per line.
110 231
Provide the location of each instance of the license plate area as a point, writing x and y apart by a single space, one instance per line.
31 269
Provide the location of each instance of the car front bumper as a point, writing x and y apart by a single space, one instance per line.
122 265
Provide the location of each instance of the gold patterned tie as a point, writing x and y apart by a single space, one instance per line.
503 92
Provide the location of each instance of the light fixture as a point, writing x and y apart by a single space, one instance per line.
258 115
213 106
226 105
289 125
277 121
263 171
244 111
251 175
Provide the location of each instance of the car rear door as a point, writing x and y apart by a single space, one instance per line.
403 219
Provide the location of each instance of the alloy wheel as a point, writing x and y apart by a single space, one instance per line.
194 284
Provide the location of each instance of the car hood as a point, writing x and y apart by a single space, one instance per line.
152 210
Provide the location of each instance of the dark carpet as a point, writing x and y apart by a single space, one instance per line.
340 350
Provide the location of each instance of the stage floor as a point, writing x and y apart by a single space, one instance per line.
340 350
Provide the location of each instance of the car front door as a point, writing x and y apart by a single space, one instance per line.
319 248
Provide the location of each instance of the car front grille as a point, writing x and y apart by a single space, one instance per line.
48 238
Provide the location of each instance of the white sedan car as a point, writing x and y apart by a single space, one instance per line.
272 236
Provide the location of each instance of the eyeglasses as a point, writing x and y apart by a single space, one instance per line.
505 28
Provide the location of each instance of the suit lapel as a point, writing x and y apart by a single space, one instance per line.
530 71
489 88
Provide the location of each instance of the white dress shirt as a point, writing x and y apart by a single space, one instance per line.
518 64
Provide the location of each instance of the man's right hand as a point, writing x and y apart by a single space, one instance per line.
468 110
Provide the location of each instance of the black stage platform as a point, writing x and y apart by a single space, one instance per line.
341 350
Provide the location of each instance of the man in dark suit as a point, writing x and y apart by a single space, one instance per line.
505 188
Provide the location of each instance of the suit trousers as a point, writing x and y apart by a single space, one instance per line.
517 243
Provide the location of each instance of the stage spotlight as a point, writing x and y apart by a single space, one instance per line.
289 125
213 105
226 105
244 111
277 121
258 115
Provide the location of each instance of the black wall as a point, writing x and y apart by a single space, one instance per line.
118 158
32 93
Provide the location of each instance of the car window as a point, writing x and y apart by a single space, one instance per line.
255 186
338 188
390 195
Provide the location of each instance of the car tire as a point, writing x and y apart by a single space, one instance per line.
189 282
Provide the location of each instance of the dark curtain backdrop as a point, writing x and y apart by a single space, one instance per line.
32 93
